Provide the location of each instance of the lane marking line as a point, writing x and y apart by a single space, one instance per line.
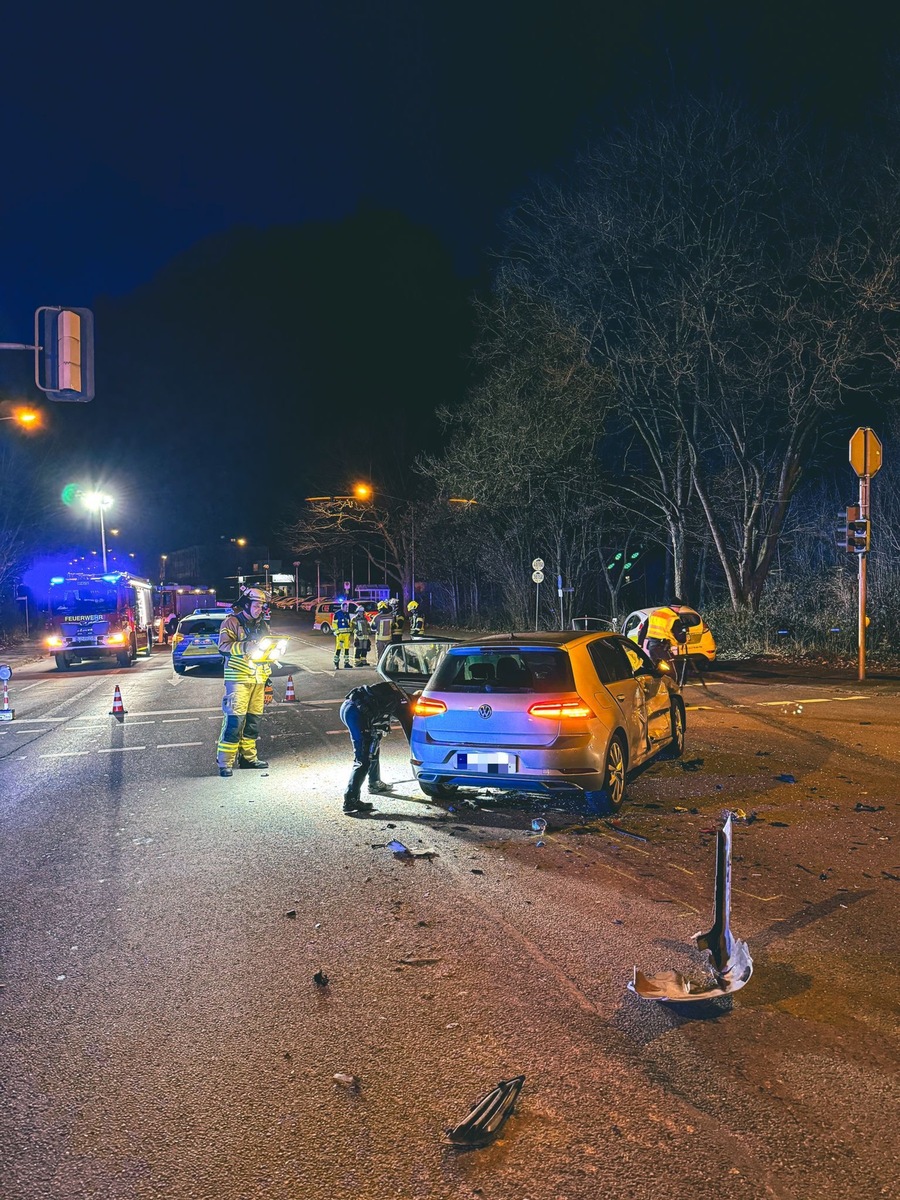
66 754
119 749
180 720
175 745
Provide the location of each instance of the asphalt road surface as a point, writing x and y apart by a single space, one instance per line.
161 1035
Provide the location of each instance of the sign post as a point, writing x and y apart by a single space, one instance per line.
865 459
537 567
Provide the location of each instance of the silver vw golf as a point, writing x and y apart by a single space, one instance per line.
545 712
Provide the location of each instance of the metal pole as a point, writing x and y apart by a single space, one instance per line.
863 556
318 578
562 620
296 586
103 537
537 605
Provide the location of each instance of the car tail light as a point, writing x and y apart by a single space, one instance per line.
428 708
560 710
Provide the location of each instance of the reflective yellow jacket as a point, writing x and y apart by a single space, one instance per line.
236 641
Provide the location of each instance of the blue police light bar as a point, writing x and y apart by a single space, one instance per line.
58 579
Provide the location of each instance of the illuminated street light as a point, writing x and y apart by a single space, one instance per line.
98 502
28 418
362 491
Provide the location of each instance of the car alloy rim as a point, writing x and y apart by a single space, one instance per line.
615 770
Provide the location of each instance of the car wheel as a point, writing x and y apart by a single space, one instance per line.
700 661
324 627
179 668
438 791
124 659
609 798
675 748
63 662
149 647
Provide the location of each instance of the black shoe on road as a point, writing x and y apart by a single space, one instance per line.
252 764
357 806
377 787
226 772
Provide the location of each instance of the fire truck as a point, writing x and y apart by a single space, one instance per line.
100 616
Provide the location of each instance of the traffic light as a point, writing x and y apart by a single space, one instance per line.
858 533
853 534
64 353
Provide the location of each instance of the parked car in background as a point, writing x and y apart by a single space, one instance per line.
553 713
323 619
700 646
196 640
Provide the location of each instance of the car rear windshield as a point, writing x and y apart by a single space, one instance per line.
531 669
200 626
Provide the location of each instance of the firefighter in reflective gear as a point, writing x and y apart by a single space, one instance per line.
246 675
382 628
362 637
416 620
666 637
343 635
398 622
367 713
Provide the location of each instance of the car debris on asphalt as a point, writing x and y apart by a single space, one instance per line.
485 1118
730 958
320 979
349 1082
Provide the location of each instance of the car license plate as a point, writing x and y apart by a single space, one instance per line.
489 764
202 649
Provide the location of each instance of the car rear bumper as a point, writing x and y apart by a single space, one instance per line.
548 785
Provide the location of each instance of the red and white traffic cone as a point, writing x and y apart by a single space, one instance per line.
118 708
6 713
289 690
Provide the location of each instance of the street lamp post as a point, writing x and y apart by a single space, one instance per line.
98 502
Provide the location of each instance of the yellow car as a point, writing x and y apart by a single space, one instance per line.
700 645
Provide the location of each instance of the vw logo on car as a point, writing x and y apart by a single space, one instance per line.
485 711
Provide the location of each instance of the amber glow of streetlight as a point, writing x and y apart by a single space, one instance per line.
362 491
28 418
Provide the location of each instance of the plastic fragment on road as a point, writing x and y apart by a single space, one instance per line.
730 958
691 764
539 825
400 851
291 913
485 1118
320 979
785 778
350 1082
860 807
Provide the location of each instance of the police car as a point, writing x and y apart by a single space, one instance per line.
700 645
196 640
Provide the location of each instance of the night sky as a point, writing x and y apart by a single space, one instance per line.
210 178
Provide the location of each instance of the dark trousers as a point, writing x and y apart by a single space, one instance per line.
366 747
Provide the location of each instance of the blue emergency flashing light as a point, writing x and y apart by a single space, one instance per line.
113 578
58 579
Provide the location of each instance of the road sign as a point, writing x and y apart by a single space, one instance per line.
865 452
537 576
537 564
5 671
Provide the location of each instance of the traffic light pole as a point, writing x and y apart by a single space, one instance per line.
863 556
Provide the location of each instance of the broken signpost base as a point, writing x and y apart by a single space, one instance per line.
730 957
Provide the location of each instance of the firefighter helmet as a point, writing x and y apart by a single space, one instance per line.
413 604
382 604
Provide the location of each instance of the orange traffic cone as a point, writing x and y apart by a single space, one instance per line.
289 690
6 713
118 708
